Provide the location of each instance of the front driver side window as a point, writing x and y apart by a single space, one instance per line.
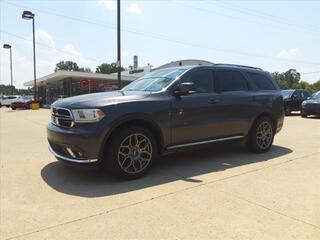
202 79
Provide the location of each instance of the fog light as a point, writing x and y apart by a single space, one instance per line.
70 152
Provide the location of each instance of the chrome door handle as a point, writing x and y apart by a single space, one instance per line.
213 101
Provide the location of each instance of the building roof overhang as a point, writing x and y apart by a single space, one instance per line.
60 75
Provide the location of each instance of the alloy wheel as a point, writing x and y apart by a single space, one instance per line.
135 153
264 135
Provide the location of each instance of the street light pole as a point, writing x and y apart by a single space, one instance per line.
29 15
119 44
34 62
7 46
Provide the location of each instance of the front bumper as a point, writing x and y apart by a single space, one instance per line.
80 145
71 160
311 109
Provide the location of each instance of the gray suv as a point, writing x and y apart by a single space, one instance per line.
165 110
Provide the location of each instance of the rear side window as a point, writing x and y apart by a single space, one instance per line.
261 81
231 80
304 94
202 79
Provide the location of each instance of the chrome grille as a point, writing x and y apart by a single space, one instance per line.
62 117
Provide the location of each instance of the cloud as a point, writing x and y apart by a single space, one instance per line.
22 68
70 53
108 4
124 53
47 55
134 8
288 53
43 38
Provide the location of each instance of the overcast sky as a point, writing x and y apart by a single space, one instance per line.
273 35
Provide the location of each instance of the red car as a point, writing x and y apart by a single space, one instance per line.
22 102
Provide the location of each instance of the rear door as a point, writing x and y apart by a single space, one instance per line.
236 107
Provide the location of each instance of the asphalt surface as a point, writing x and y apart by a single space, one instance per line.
219 192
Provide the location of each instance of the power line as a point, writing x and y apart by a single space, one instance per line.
47 46
311 72
163 37
232 17
266 16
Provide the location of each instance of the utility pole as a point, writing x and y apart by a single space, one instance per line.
119 44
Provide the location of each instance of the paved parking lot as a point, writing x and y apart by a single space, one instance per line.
220 192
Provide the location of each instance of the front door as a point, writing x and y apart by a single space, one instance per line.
193 116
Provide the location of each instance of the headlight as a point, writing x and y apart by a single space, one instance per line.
303 103
87 115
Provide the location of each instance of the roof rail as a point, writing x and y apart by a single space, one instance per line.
236 65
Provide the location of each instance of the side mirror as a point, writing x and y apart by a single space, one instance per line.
185 89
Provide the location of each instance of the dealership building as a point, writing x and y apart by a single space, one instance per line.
62 84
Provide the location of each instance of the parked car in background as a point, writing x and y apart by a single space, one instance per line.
7 100
166 110
293 98
311 106
22 102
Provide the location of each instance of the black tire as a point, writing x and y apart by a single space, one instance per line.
8 106
304 115
287 111
13 108
114 155
257 142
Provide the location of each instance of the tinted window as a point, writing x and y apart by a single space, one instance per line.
305 94
230 80
261 81
203 80
296 95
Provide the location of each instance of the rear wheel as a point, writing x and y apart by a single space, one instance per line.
304 115
261 136
13 108
130 152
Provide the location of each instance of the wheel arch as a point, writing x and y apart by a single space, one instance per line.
141 121
265 114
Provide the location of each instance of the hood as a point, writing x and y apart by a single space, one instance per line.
23 101
95 100
312 100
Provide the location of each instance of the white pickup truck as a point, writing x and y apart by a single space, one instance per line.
7 100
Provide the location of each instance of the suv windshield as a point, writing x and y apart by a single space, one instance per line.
155 81
286 93
316 95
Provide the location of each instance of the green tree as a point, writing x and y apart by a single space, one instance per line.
108 68
67 65
7 90
82 69
288 79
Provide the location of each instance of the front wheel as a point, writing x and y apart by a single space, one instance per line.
304 115
261 135
130 152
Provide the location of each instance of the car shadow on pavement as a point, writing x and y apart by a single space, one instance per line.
186 166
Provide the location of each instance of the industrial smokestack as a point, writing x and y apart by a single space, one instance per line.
135 62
